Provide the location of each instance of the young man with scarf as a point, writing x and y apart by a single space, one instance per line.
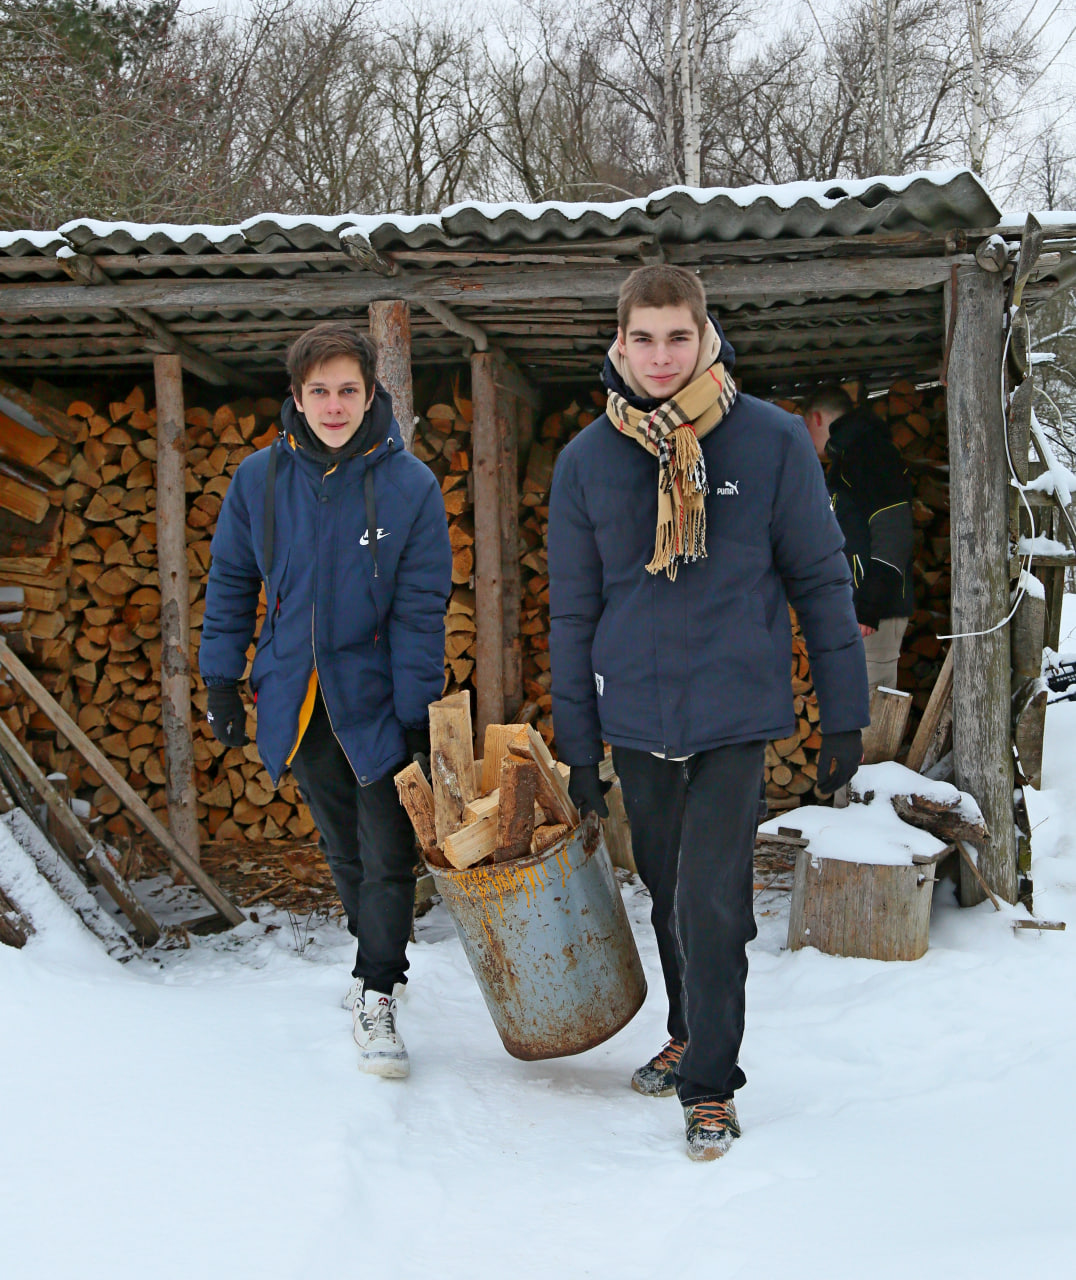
682 523
347 533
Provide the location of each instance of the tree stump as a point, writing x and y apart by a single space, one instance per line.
878 912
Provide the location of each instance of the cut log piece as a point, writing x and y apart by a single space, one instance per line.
515 824
467 846
860 909
545 837
552 788
451 761
890 709
416 796
497 740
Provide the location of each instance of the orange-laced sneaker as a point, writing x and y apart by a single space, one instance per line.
711 1128
657 1078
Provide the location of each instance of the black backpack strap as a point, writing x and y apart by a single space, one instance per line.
371 515
269 513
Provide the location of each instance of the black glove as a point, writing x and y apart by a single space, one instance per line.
587 790
417 743
227 716
841 752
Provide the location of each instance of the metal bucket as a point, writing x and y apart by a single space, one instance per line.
549 943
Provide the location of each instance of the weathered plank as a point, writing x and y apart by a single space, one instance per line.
757 281
979 498
929 740
128 797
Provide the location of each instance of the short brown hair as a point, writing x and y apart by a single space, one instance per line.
661 286
831 398
325 341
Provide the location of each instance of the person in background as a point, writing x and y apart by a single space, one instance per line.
347 533
682 523
872 500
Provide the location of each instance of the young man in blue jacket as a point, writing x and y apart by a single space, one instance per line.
347 533
681 525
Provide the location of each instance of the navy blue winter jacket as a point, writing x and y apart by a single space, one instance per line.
378 641
680 667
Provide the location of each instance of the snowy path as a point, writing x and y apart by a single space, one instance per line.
206 1118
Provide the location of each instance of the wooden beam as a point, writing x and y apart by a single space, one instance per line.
756 282
95 855
979 502
85 271
488 549
174 577
452 322
390 328
132 801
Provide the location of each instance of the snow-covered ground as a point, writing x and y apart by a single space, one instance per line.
202 1115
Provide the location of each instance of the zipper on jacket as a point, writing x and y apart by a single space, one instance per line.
314 651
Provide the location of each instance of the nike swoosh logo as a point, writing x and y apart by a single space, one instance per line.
364 541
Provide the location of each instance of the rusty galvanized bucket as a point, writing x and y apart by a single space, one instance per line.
548 940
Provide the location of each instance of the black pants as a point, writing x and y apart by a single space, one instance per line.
693 826
367 840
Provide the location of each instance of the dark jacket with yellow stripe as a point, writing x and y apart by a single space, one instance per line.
372 627
872 501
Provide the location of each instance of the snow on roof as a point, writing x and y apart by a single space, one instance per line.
933 201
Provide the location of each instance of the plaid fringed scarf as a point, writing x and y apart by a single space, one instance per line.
672 433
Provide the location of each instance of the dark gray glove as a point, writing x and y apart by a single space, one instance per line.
417 742
587 790
838 758
226 715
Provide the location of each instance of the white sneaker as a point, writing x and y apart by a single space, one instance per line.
354 994
381 1050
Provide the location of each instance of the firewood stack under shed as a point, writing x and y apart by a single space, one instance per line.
81 600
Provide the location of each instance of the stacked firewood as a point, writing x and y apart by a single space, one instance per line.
443 442
513 803
36 615
553 434
110 537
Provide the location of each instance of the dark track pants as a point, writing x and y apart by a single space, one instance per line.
367 841
693 825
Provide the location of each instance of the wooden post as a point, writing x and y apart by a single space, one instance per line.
979 497
175 602
488 546
516 422
390 328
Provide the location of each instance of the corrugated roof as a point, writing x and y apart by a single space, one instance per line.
802 210
539 279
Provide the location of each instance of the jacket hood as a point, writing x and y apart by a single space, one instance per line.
850 427
377 426
612 381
